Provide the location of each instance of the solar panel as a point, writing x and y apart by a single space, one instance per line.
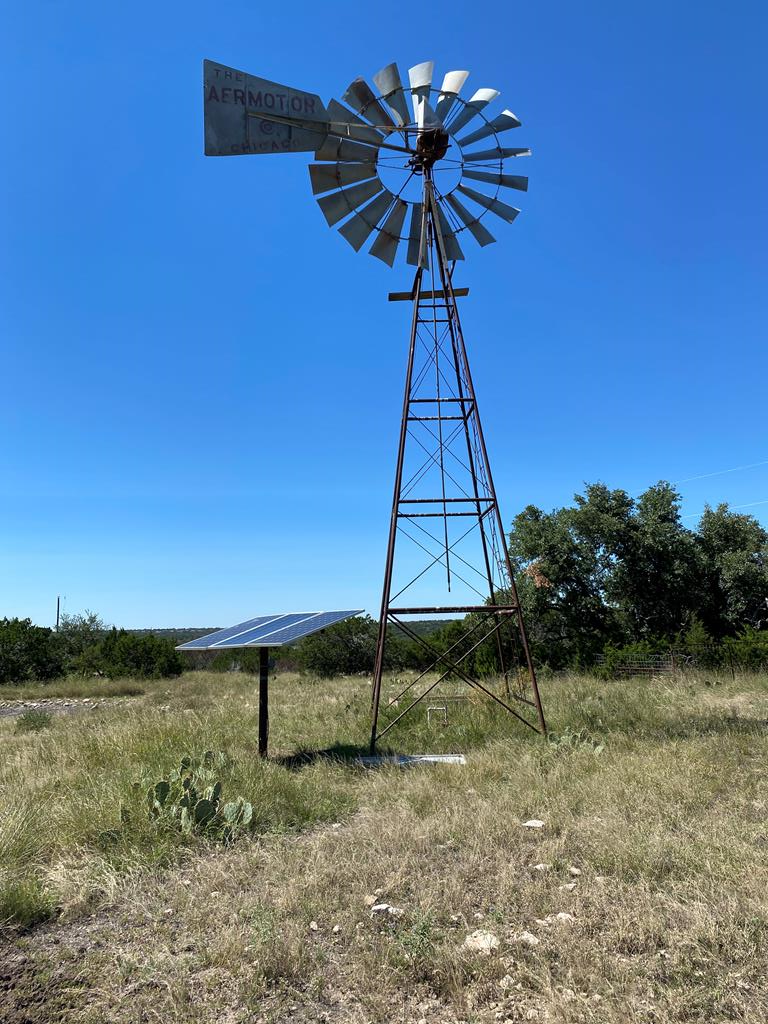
267 631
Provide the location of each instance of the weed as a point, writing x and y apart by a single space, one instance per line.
33 720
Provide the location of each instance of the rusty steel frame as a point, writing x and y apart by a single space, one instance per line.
503 604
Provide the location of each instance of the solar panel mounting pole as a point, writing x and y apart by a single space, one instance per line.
263 700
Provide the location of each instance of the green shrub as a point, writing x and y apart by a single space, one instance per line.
28 652
126 654
24 901
33 721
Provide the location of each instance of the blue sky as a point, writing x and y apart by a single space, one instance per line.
201 384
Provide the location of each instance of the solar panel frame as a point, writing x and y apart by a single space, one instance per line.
268 631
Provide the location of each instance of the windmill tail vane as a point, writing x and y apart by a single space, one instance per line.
417 170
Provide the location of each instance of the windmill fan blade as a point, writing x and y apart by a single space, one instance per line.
337 205
385 246
361 98
495 154
390 86
518 181
342 149
450 241
329 176
452 85
420 78
502 123
416 255
480 99
496 206
482 235
345 123
359 227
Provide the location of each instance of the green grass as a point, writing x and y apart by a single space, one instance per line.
74 687
656 790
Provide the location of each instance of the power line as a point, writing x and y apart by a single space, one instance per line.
748 504
719 472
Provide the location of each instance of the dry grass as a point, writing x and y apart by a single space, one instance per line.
667 826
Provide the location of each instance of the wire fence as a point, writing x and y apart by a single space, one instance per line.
732 656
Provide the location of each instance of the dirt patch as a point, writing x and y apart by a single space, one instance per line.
39 981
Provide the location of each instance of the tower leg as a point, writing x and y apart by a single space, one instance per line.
443 494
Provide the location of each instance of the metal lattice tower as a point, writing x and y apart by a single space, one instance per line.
379 157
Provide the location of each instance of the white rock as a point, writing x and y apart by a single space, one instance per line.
313 926
568 887
528 938
561 918
541 867
478 915
533 823
336 929
574 872
382 909
481 941
507 981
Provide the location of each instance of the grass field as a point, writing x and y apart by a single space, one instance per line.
653 796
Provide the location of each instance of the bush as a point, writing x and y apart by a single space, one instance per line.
125 654
242 660
28 653
33 721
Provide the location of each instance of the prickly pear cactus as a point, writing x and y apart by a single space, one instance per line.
190 798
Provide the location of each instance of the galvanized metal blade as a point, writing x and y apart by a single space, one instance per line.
472 108
390 86
481 233
503 123
450 241
385 246
362 99
452 85
518 181
337 205
330 176
359 227
496 206
420 77
416 254
494 154
345 124
349 152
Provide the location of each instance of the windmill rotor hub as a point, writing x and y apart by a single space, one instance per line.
431 146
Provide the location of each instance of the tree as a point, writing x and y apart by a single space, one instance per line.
735 547
28 652
658 577
79 634
614 570
143 657
343 649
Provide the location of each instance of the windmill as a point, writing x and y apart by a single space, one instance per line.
415 170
